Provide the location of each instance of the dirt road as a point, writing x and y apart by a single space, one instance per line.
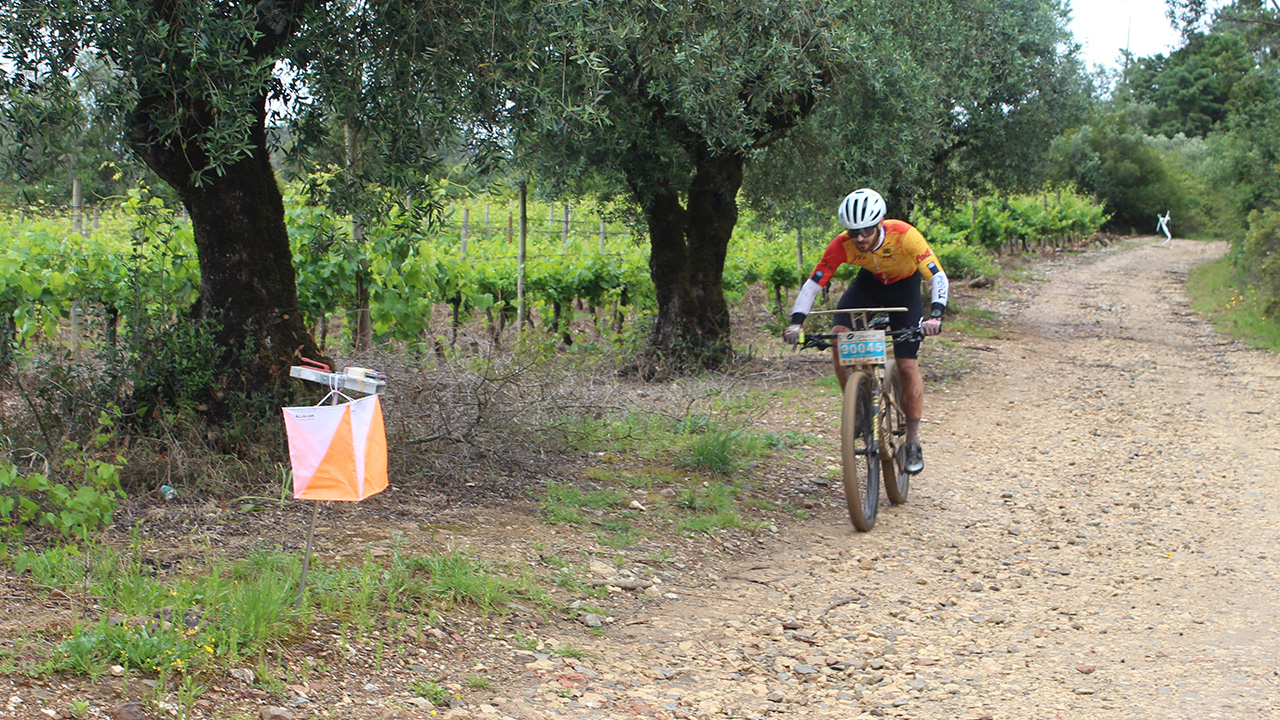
1094 537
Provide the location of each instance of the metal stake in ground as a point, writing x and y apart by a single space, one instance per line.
306 559
353 469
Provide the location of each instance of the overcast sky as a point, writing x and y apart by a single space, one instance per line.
1105 27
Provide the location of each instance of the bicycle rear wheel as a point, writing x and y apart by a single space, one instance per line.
859 453
892 437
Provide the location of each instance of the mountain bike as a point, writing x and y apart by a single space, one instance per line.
872 423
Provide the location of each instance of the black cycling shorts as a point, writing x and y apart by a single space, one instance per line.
866 291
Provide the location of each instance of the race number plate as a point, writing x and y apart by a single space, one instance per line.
862 347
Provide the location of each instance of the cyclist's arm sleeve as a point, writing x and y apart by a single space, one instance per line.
938 296
804 301
930 269
832 257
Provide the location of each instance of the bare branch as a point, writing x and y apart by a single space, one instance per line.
1252 21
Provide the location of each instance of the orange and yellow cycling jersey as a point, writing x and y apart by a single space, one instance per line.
903 252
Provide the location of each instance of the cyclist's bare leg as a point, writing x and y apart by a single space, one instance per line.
912 396
842 372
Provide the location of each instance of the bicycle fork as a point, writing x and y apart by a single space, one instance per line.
876 410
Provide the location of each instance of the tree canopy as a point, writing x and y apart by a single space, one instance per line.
969 100
676 104
672 106
1190 90
194 85
665 102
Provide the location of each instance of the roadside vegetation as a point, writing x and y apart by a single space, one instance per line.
584 212
1235 307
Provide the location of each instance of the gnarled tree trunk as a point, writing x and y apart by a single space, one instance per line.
686 261
247 282
247 285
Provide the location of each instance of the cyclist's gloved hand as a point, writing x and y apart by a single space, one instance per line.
932 326
792 334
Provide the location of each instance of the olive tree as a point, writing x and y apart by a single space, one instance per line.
198 82
669 101
970 101
678 103
197 77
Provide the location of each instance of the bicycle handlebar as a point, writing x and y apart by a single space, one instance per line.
821 341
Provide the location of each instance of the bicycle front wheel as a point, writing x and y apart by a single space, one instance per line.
892 437
859 453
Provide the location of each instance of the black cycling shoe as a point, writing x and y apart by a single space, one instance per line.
912 458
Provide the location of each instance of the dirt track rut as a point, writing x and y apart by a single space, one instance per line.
1094 536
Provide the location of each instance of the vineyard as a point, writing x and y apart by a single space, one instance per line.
137 265
568 235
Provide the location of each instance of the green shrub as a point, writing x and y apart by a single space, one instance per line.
75 511
1054 215
965 261
1262 255
721 451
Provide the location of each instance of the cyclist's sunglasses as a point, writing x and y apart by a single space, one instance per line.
865 232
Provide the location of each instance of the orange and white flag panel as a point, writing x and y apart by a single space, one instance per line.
338 452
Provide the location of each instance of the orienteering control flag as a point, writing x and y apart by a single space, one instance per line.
338 452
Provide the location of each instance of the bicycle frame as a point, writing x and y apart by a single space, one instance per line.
868 354
870 351
878 361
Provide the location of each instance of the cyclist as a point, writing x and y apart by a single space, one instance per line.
893 257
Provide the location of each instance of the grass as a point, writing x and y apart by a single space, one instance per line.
569 651
9 654
720 450
640 480
707 446
524 642
618 534
1215 292
564 503
480 682
635 434
185 623
590 610
602 475
973 312
709 523
962 325
826 381
706 497
198 624
569 581
431 691
712 507
454 579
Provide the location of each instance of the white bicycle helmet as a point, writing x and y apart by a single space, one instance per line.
861 208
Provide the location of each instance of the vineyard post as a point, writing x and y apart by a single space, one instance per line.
799 253
363 331
602 234
77 226
564 230
524 237
1044 213
973 220
466 220
77 206
77 326
510 226
486 221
